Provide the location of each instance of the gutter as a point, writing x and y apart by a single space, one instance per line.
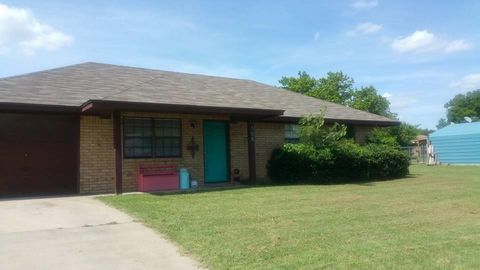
103 106
28 107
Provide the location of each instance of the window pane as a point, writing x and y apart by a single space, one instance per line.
140 142
292 133
138 147
137 137
167 147
167 127
138 127
289 140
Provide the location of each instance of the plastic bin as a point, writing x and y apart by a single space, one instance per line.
184 179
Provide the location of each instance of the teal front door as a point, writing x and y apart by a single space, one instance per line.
215 151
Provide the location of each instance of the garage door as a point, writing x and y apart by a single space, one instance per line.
38 154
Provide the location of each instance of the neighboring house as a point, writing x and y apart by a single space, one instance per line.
457 143
418 150
86 128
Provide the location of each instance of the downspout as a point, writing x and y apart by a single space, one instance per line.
251 151
117 145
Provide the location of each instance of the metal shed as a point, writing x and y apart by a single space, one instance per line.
457 143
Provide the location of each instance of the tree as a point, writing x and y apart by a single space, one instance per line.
313 131
335 87
302 84
461 106
442 123
382 136
464 105
338 87
368 99
401 135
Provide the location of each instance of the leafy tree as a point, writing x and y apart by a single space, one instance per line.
404 133
336 87
425 131
401 135
313 131
368 99
302 84
463 105
442 123
382 136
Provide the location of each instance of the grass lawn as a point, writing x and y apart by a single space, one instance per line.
430 220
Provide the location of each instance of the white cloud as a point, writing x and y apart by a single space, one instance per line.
426 42
457 45
468 83
20 30
316 36
365 28
364 4
400 102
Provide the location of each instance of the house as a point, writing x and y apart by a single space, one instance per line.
86 128
418 150
457 144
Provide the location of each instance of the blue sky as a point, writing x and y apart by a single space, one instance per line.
419 54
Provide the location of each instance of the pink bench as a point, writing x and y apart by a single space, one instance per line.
154 177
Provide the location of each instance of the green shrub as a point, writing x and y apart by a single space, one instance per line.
344 161
387 162
350 161
299 161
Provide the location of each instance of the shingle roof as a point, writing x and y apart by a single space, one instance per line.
77 84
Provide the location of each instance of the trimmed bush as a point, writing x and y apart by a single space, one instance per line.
341 162
387 162
299 162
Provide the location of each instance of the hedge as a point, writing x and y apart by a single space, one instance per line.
341 162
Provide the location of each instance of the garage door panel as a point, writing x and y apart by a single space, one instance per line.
39 154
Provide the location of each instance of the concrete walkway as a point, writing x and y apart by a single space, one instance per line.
80 233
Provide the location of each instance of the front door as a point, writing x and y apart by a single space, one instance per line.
215 151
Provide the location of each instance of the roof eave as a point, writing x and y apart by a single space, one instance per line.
30 107
379 123
102 106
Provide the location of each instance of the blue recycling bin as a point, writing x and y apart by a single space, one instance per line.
184 178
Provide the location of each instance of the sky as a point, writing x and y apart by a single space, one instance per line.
418 54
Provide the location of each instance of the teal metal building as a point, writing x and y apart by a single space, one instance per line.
457 143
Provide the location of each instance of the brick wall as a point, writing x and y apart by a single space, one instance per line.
268 136
361 133
239 148
97 159
97 170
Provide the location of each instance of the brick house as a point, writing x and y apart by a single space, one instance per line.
86 128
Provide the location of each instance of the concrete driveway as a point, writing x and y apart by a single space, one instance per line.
80 233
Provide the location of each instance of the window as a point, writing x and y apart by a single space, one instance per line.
167 138
292 133
350 132
149 138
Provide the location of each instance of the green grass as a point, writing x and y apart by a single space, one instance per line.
430 220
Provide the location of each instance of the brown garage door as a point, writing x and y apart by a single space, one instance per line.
38 154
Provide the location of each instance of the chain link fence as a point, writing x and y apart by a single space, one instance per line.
417 153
